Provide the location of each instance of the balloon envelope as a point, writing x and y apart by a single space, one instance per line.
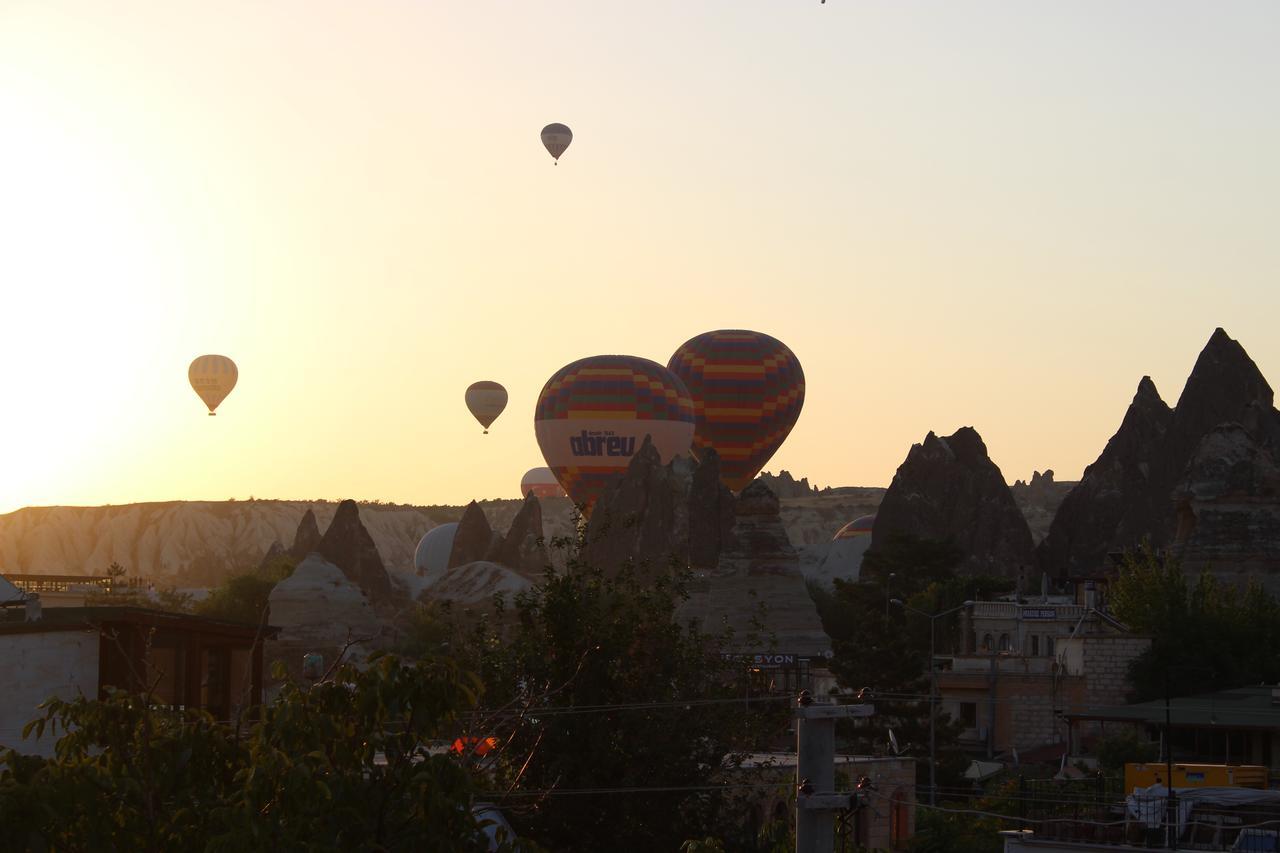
486 400
542 482
556 138
747 391
213 377
843 558
859 527
593 415
432 554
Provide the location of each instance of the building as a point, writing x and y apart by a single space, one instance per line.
1026 662
187 661
1240 726
70 590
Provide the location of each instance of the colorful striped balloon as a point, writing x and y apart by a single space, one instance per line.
592 416
747 390
860 526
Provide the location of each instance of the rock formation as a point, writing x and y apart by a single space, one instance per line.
320 609
307 538
1127 495
475 583
473 539
1039 500
948 489
523 548
786 486
1228 509
275 552
711 513
348 545
758 576
653 513
1116 501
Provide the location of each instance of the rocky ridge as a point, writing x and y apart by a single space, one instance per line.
948 489
1163 469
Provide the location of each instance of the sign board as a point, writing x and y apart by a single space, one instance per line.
1039 613
763 659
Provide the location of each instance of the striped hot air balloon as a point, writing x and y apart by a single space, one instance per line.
747 390
860 526
843 559
486 400
542 483
213 377
593 415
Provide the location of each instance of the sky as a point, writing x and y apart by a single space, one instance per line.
1000 215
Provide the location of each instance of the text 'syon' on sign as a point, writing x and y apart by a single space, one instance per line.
776 659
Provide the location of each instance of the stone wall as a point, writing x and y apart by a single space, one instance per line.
36 666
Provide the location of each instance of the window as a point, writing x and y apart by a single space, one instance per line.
987 643
969 714
1048 646
1035 646
1004 643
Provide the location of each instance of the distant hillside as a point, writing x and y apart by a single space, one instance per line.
197 543
188 543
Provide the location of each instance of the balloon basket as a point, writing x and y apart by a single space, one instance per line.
213 414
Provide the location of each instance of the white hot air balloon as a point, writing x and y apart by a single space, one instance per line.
432 555
556 138
213 377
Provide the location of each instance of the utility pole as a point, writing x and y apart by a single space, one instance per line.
816 799
933 691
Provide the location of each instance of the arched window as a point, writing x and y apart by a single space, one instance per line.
1004 643
986 643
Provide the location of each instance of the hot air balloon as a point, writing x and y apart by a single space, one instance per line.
843 559
432 554
486 400
592 416
747 391
542 482
213 377
556 138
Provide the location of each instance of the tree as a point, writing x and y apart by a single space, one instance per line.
884 648
603 690
1205 635
346 764
244 597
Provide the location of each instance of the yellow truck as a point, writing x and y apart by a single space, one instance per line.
1195 775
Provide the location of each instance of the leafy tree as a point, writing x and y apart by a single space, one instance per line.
1205 635
1121 746
885 648
346 764
243 597
610 692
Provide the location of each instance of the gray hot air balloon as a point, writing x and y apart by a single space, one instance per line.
556 137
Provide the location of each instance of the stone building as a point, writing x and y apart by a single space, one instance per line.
1026 664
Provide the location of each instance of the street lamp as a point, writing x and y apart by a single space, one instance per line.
933 691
